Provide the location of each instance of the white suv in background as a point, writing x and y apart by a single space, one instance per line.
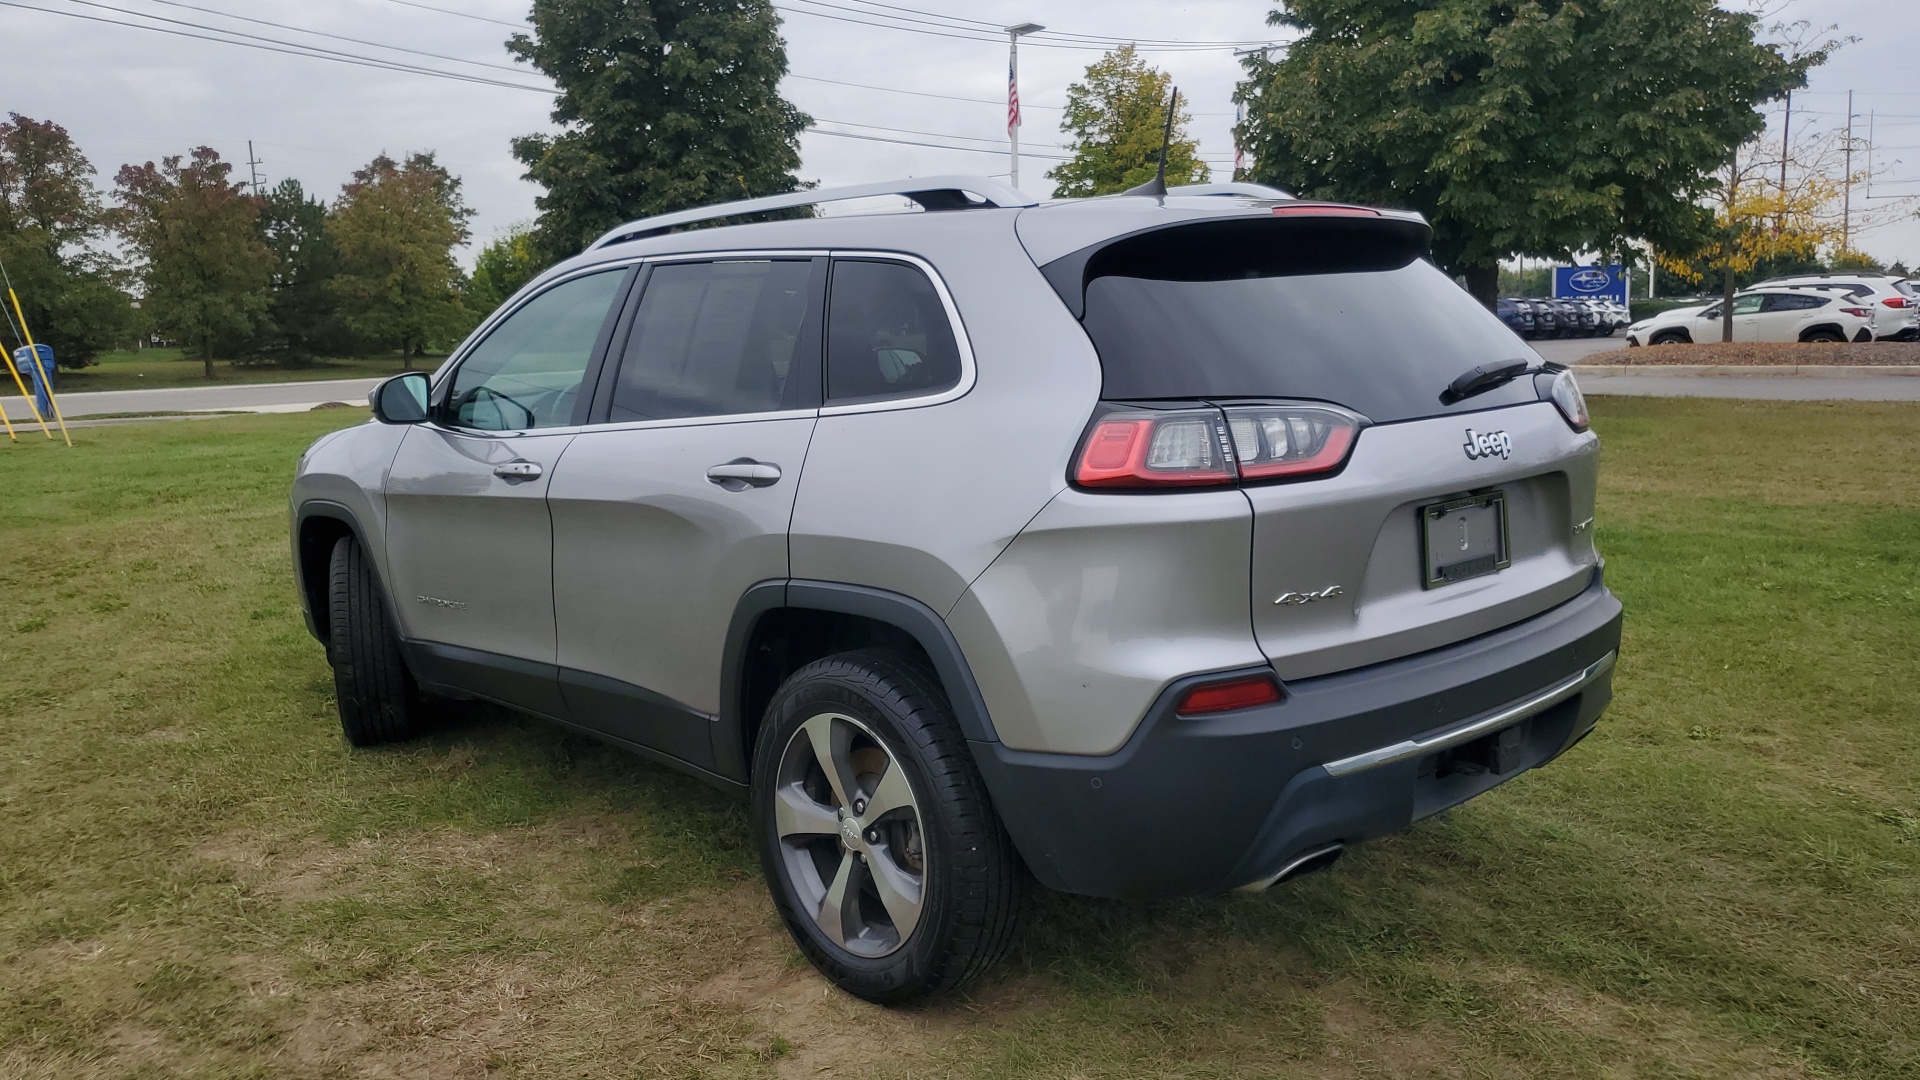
1895 301
1763 315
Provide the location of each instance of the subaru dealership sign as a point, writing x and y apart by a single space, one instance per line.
1572 282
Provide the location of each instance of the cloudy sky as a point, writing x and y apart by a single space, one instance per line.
929 96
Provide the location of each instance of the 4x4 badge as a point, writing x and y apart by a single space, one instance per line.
1290 599
1486 444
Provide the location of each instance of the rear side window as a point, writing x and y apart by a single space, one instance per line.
1346 312
1782 302
888 335
721 338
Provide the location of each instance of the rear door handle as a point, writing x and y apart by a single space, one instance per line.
742 473
518 470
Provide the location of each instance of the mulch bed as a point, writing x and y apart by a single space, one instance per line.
1878 353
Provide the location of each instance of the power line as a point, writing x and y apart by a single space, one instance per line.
290 49
321 33
963 33
997 29
998 152
461 14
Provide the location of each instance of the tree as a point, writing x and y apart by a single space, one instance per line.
205 271
1772 219
51 220
1537 127
1116 120
663 105
302 316
501 268
395 227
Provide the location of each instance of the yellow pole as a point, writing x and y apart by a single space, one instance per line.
32 407
9 423
39 367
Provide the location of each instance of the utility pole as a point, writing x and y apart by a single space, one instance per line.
1846 212
253 168
1013 93
1786 152
1240 111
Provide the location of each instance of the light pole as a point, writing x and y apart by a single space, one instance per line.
1013 93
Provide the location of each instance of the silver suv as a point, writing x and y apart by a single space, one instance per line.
1112 543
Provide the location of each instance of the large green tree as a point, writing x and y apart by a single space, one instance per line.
664 105
395 227
204 269
303 320
1538 127
1115 121
51 226
501 268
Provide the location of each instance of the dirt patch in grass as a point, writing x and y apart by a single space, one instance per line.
1772 354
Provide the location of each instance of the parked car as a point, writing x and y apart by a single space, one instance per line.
986 542
1761 315
1518 315
1895 300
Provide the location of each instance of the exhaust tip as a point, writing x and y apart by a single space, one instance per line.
1311 862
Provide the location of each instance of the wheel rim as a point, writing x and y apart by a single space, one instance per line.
851 835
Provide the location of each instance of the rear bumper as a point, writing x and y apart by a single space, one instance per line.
1191 807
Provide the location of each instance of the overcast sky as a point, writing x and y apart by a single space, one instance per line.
133 95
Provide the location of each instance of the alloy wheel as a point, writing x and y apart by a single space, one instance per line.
851 835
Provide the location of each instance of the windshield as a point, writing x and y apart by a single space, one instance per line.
1383 342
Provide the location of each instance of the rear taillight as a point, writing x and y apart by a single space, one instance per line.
1859 312
1228 695
1212 447
1570 401
1897 302
1155 450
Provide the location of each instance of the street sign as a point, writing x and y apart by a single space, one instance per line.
1573 282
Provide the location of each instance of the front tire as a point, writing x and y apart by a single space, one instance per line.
882 853
377 697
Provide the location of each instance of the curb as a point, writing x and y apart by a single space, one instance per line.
1785 371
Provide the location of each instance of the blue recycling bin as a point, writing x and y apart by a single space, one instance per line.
38 371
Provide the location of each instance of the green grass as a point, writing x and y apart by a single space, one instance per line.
197 878
153 369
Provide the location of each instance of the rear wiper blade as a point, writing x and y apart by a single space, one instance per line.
1484 378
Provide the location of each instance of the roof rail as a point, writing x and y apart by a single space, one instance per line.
931 192
1251 191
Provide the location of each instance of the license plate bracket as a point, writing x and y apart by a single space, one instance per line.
1463 538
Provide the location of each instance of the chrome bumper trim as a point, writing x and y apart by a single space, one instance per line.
1466 733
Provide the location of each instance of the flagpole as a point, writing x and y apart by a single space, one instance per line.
1013 95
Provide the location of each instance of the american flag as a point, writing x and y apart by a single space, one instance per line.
1013 98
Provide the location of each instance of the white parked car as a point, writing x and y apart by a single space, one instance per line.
1895 300
1772 314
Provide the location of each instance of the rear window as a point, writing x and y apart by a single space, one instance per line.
1342 311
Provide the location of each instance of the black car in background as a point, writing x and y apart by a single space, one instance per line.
1517 314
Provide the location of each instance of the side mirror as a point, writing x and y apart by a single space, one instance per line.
401 399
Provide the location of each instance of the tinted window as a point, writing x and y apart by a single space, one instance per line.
1318 336
1785 302
720 338
887 334
527 373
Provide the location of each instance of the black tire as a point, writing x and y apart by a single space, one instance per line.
1823 337
972 883
378 699
1671 337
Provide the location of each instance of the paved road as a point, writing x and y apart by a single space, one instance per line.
1573 350
1759 387
257 397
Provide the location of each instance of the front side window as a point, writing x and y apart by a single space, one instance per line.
1747 305
888 335
720 339
528 371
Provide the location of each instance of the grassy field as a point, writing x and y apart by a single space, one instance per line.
198 879
153 369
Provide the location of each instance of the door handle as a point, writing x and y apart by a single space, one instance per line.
742 473
518 470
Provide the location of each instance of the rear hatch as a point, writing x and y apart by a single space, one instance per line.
1448 518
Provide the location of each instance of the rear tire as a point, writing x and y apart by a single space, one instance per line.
378 699
1823 337
893 890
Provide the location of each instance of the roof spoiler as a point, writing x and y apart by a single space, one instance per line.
931 192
